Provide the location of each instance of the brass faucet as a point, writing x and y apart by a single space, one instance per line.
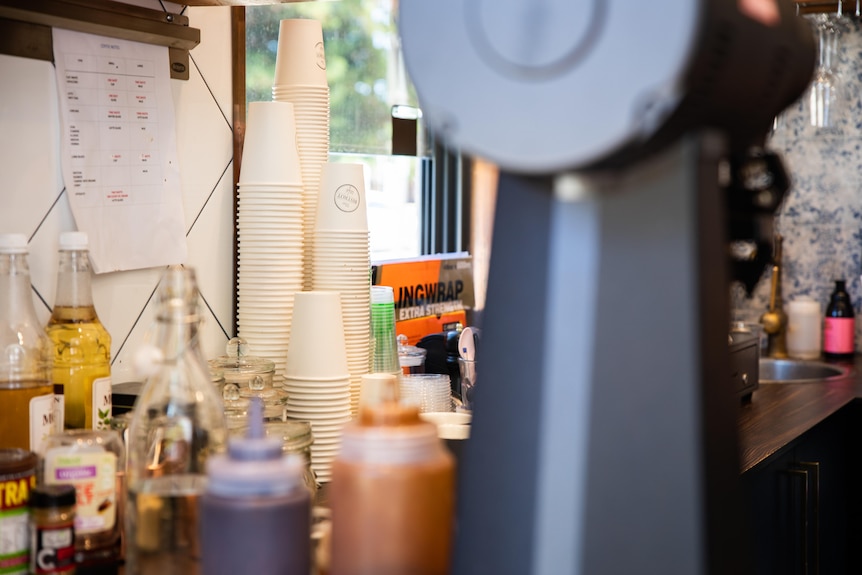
775 320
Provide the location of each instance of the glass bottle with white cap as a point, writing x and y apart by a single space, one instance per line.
81 344
26 392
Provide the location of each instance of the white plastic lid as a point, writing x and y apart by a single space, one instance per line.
13 244
382 294
803 304
74 241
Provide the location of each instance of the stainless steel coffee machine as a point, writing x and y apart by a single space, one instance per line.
604 442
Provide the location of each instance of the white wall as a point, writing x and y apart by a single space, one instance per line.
32 200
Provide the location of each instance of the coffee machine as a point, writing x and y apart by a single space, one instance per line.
604 437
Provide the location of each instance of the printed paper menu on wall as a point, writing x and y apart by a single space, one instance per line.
119 150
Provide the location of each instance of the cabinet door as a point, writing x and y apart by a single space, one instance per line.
775 506
834 448
804 512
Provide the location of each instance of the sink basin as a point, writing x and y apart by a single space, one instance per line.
797 371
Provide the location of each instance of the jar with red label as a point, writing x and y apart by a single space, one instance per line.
52 530
17 480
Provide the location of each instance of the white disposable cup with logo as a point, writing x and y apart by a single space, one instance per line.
341 203
804 321
300 59
269 150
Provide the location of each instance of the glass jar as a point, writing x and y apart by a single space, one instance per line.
18 477
295 436
52 532
91 461
239 367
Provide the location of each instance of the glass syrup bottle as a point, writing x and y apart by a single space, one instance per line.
82 345
839 326
177 424
26 392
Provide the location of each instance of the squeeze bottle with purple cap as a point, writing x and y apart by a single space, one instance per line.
255 516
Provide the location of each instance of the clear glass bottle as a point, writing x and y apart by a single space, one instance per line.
177 424
81 344
26 392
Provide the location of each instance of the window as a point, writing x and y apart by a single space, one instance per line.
366 79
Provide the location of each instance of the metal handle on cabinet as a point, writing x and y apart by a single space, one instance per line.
814 466
810 473
804 516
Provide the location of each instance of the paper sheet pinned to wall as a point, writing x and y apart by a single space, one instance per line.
119 152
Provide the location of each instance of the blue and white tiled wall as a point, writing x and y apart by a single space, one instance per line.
821 218
32 200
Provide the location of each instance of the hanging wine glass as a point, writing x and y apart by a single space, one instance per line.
824 94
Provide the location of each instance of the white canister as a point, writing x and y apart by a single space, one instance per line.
803 328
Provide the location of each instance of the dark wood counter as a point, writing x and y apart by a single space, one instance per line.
781 412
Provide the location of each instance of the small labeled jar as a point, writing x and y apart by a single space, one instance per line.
803 328
17 480
92 461
52 529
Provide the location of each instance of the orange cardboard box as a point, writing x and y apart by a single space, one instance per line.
432 293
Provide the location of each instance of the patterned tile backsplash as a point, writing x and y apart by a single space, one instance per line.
821 218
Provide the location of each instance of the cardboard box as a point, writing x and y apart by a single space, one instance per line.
432 293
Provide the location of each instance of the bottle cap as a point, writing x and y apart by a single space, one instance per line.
13 244
74 241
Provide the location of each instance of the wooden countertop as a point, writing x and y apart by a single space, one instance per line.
781 412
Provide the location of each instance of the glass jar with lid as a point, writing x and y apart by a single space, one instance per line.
239 367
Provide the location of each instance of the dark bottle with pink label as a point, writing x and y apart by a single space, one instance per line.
839 327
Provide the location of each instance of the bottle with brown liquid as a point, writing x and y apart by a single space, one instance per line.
26 392
81 344
392 493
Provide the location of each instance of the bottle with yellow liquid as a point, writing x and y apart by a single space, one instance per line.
26 393
82 345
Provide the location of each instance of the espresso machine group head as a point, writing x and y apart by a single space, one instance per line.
604 436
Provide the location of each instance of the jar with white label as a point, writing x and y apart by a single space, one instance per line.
92 461
26 390
803 328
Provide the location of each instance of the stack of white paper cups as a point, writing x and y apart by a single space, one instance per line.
316 377
341 261
270 230
300 78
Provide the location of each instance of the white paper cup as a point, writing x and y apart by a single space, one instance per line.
300 58
269 150
317 337
341 204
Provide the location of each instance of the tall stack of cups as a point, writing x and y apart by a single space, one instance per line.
385 355
270 230
316 377
300 78
342 263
